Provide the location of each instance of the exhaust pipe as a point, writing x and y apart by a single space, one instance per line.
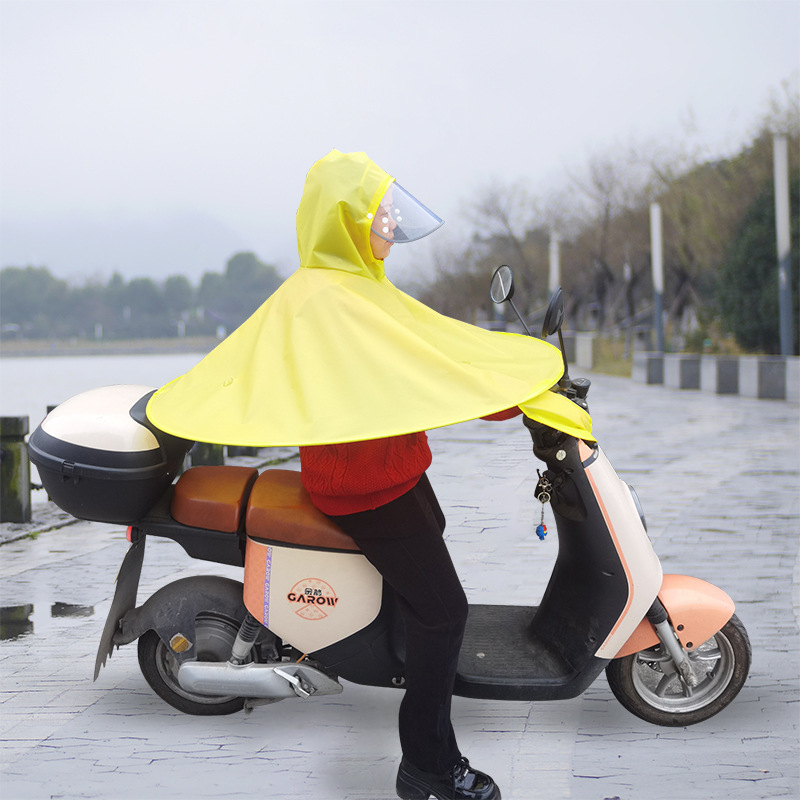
273 681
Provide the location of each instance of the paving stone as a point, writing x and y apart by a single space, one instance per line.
719 478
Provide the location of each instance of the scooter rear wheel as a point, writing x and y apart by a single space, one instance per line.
656 694
215 635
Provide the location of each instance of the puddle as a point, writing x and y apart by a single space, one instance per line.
70 610
17 621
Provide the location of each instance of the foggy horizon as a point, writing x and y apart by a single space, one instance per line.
154 139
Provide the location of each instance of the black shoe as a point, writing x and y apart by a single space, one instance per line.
460 783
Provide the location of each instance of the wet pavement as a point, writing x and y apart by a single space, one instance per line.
719 479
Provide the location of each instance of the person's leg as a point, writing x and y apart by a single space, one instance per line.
425 486
403 541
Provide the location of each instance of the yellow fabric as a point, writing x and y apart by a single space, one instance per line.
558 412
339 354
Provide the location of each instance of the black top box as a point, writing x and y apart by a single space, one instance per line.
99 457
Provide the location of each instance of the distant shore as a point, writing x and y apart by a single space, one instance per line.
40 347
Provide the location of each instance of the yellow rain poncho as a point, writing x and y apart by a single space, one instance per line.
339 354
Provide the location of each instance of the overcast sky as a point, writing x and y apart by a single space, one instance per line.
159 137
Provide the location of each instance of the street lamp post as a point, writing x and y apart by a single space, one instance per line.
783 235
657 250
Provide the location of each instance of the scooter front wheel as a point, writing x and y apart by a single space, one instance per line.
215 636
648 685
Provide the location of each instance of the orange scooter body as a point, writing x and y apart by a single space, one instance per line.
697 610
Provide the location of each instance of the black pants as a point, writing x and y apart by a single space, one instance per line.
403 540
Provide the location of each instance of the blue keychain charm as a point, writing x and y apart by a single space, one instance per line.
543 490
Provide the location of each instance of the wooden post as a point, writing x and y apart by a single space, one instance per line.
15 471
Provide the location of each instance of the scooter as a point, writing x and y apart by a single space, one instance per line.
312 610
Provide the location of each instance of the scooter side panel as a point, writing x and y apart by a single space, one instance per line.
639 561
374 655
697 610
310 598
588 589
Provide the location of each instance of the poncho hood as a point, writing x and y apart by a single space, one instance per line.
340 198
339 354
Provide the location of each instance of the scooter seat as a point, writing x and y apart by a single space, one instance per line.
212 497
280 510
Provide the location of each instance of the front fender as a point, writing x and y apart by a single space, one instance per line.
174 608
697 610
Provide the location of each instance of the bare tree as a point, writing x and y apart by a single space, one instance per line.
611 186
503 219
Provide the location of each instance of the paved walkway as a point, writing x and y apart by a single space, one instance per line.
719 480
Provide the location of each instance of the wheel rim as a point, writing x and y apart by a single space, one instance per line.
214 637
655 679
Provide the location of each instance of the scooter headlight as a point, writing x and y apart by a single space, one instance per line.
639 509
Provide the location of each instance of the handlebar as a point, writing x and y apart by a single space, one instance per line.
575 389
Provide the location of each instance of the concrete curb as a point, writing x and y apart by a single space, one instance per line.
761 377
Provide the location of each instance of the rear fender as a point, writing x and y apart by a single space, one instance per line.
697 610
124 600
173 609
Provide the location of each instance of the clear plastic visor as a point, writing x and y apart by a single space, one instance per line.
402 218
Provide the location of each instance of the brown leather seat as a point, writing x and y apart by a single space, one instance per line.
281 510
212 497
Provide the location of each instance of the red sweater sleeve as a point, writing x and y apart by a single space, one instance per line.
509 413
358 476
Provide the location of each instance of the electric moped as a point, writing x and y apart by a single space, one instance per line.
311 609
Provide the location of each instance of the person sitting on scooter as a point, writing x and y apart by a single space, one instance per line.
377 491
354 371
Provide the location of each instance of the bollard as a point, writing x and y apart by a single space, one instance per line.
15 471
648 367
237 450
682 370
719 374
207 455
763 377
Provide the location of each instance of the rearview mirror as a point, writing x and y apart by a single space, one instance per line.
502 287
554 316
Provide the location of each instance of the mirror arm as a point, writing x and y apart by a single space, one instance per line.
565 381
519 317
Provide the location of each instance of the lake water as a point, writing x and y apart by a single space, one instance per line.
29 385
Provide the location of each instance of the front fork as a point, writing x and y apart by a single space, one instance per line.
659 619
